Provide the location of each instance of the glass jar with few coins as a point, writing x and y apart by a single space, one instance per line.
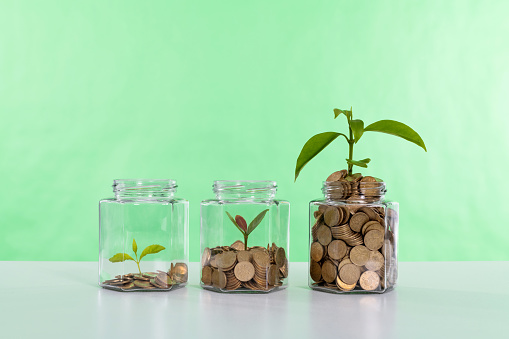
244 238
143 237
353 236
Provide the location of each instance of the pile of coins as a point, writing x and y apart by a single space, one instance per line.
352 249
230 268
354 187
160 280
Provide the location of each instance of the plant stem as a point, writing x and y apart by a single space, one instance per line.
138 263
245 241
350 146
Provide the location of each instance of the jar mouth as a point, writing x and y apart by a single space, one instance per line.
144 187
245 189
351 191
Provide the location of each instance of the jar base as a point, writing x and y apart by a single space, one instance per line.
243 290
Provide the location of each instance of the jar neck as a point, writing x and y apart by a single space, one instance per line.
144 188
354 192
245 190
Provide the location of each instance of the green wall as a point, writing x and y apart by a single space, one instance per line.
205 90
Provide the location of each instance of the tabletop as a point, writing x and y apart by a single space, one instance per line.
431 300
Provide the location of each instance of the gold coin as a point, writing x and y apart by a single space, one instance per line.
315 271
331 216
337 175
215 277
336 249
357 221
142 283
206 275
324 235
374 240
221 280
244 271
226 259
375 261
128 286
359 255
280 256
344 287
205 257
238 245
349 274
369 280
345 213
371 224
369 212
343 263
272 275
244 256
317 251
261 259
329 271
368 179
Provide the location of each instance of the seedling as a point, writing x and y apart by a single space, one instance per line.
241 224
152 249
356 129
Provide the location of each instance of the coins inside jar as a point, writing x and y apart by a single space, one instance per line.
256 268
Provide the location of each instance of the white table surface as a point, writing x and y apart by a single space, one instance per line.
432 300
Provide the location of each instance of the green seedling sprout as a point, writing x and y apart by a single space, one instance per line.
152 249
355 131
241 224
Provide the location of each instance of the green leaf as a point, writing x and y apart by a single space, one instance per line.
234 222
135 246
338 112
360 163
312 147
120 257
357 127
398 129
256 221
151 250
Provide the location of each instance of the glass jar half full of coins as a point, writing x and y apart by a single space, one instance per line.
244 238
353 236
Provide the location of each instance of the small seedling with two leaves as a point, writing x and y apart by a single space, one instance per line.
241 224
356 130
152 249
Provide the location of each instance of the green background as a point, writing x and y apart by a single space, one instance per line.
205 90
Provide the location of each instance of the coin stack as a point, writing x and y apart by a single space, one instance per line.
354 187
351 249
159 280
229 268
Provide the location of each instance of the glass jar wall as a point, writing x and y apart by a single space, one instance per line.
353 238
244 238
143 240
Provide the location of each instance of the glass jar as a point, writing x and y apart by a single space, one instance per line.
353 238
143 237
244 238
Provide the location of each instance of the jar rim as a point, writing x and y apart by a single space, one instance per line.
144 185
245 189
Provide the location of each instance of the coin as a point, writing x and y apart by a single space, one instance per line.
336 249
337 175
206 275
244 271
368 179
315 271
371 225
343 286
369 280
329 271
142 283
368 211
221 280
272 275
205 257
150 275
375 261
261 259
359 255
374 240
331 216
349 274
280 256
316 251
226 260
244 256
324 235
357 221
128 286
238 245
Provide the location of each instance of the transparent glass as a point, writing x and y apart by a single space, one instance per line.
143 237
353 239
232 261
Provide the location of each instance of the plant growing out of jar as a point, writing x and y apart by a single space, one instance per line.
243 227
356 130
151 249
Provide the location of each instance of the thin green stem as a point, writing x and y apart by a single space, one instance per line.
245 241
138 263
350 144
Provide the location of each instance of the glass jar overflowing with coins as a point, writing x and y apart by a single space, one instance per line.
143 240
244 238
353 236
